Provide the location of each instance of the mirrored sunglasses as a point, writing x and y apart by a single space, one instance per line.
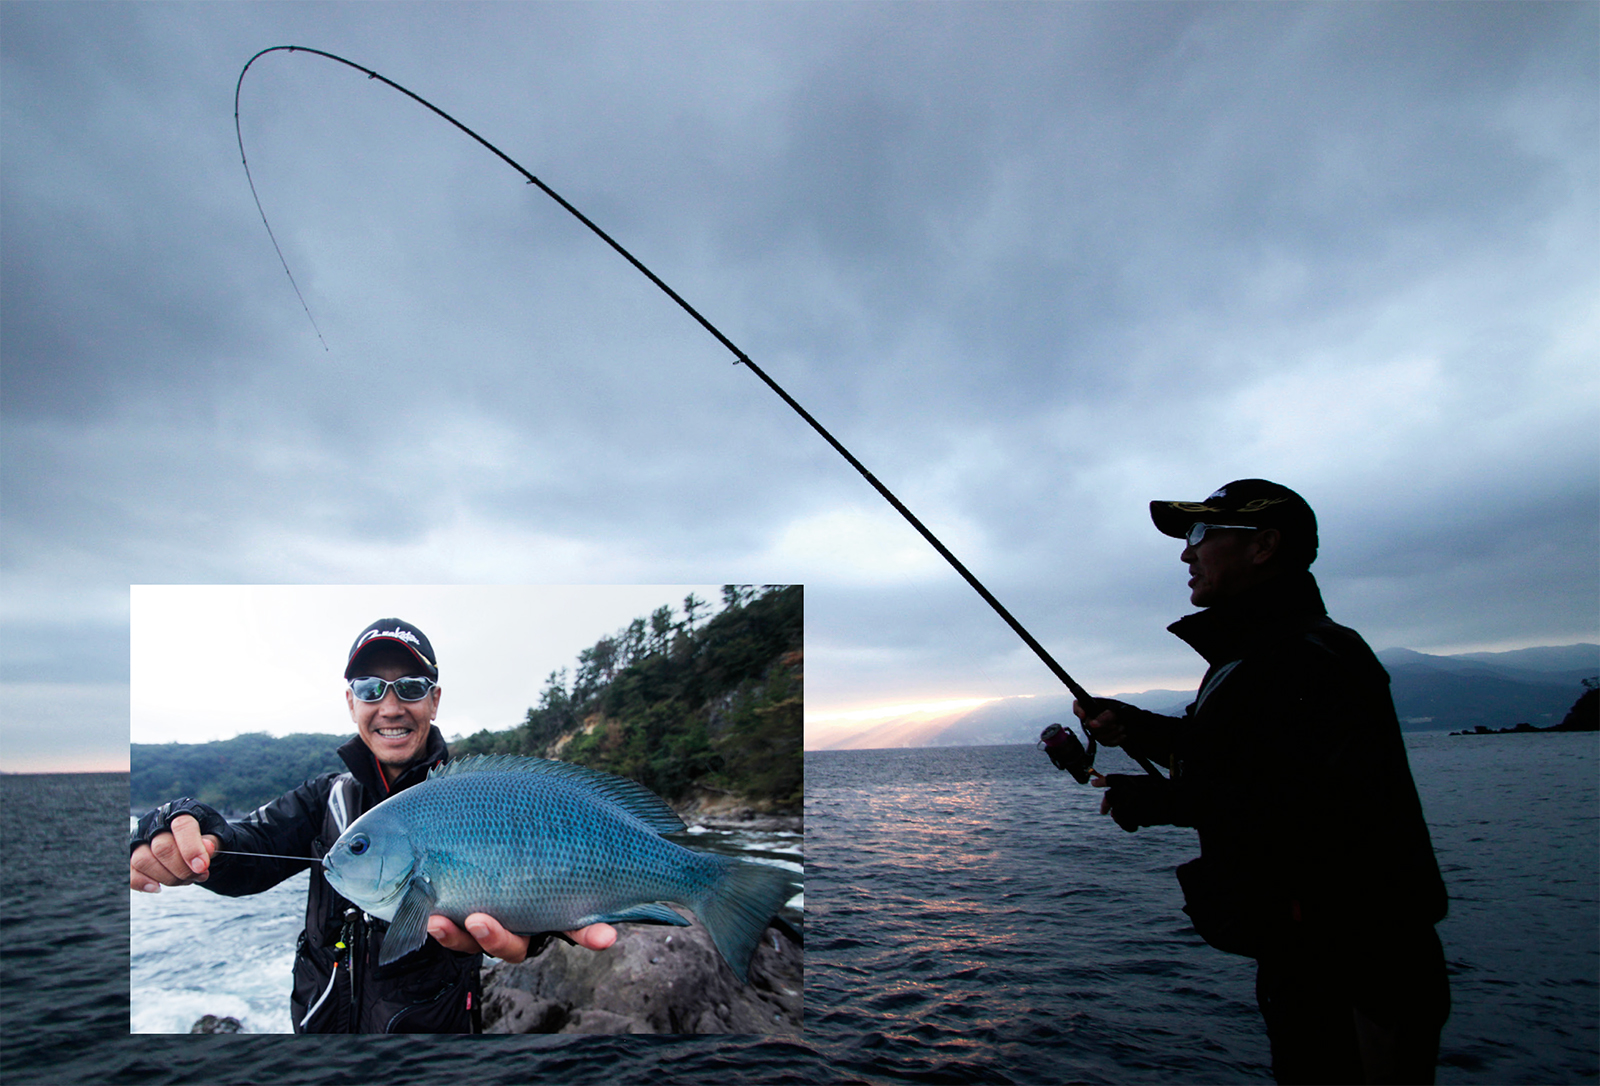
410 688
1197 530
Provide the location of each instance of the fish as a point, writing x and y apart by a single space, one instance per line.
543 845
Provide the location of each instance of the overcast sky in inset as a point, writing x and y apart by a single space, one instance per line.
1034 264
214 661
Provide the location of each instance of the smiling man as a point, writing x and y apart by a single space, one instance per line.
1314 859
393 694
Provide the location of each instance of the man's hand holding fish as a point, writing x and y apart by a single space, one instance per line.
487 935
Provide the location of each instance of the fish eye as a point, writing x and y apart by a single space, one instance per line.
358 844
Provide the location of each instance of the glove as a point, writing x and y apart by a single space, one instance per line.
1139 801
1122 715
160 821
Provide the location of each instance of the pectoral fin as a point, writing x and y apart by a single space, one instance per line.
409 928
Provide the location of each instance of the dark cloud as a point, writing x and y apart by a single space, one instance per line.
1034 264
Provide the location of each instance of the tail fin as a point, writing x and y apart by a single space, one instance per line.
736 909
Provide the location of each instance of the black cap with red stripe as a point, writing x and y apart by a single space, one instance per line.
395 631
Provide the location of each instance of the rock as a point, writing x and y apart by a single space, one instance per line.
735 813
655 979
743 818
212 1024
513 1010
1584 716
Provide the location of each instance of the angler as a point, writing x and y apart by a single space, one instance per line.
341 984
1314 858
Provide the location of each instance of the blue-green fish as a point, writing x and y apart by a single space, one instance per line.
543 846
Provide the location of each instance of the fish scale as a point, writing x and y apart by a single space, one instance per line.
542 845
580 860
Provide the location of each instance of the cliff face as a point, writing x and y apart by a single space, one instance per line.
1584 715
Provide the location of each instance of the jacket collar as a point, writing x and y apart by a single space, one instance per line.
1265 613
364 764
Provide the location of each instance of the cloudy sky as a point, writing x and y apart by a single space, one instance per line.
212 661
1034 264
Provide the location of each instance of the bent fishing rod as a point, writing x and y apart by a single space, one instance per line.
740 358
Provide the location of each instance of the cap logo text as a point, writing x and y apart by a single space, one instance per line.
397 634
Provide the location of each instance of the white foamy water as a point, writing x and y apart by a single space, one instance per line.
193 953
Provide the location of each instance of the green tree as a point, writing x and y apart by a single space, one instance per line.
692 606
719 711
660 628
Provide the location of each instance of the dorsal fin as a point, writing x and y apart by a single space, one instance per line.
631 796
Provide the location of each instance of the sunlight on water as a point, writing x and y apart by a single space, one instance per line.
974 917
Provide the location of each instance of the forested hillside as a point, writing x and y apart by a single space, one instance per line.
237 774
688 707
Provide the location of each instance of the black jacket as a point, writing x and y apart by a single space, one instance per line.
433 990
1291 767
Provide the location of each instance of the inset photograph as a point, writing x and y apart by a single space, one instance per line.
464 809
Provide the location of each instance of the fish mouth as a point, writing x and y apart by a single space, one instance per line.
376 893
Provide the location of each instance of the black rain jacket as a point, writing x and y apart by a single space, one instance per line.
433 990
1291 767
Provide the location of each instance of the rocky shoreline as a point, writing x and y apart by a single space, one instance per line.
745 819
1584 716
655 979
724 811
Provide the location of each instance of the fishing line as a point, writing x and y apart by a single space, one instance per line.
262 211
740 358
267 856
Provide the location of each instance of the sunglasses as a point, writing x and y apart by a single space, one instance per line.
1197 530
410 688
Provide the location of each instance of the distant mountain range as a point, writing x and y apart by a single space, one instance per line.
1491 688
1431 693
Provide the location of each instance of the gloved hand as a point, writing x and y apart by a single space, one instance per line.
1110 722
160 821
1136 801
173 845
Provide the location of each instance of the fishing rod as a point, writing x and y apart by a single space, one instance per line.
740 358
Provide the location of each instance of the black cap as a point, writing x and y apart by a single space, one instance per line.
401 633
1253 503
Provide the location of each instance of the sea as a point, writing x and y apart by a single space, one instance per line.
974 918
970 917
